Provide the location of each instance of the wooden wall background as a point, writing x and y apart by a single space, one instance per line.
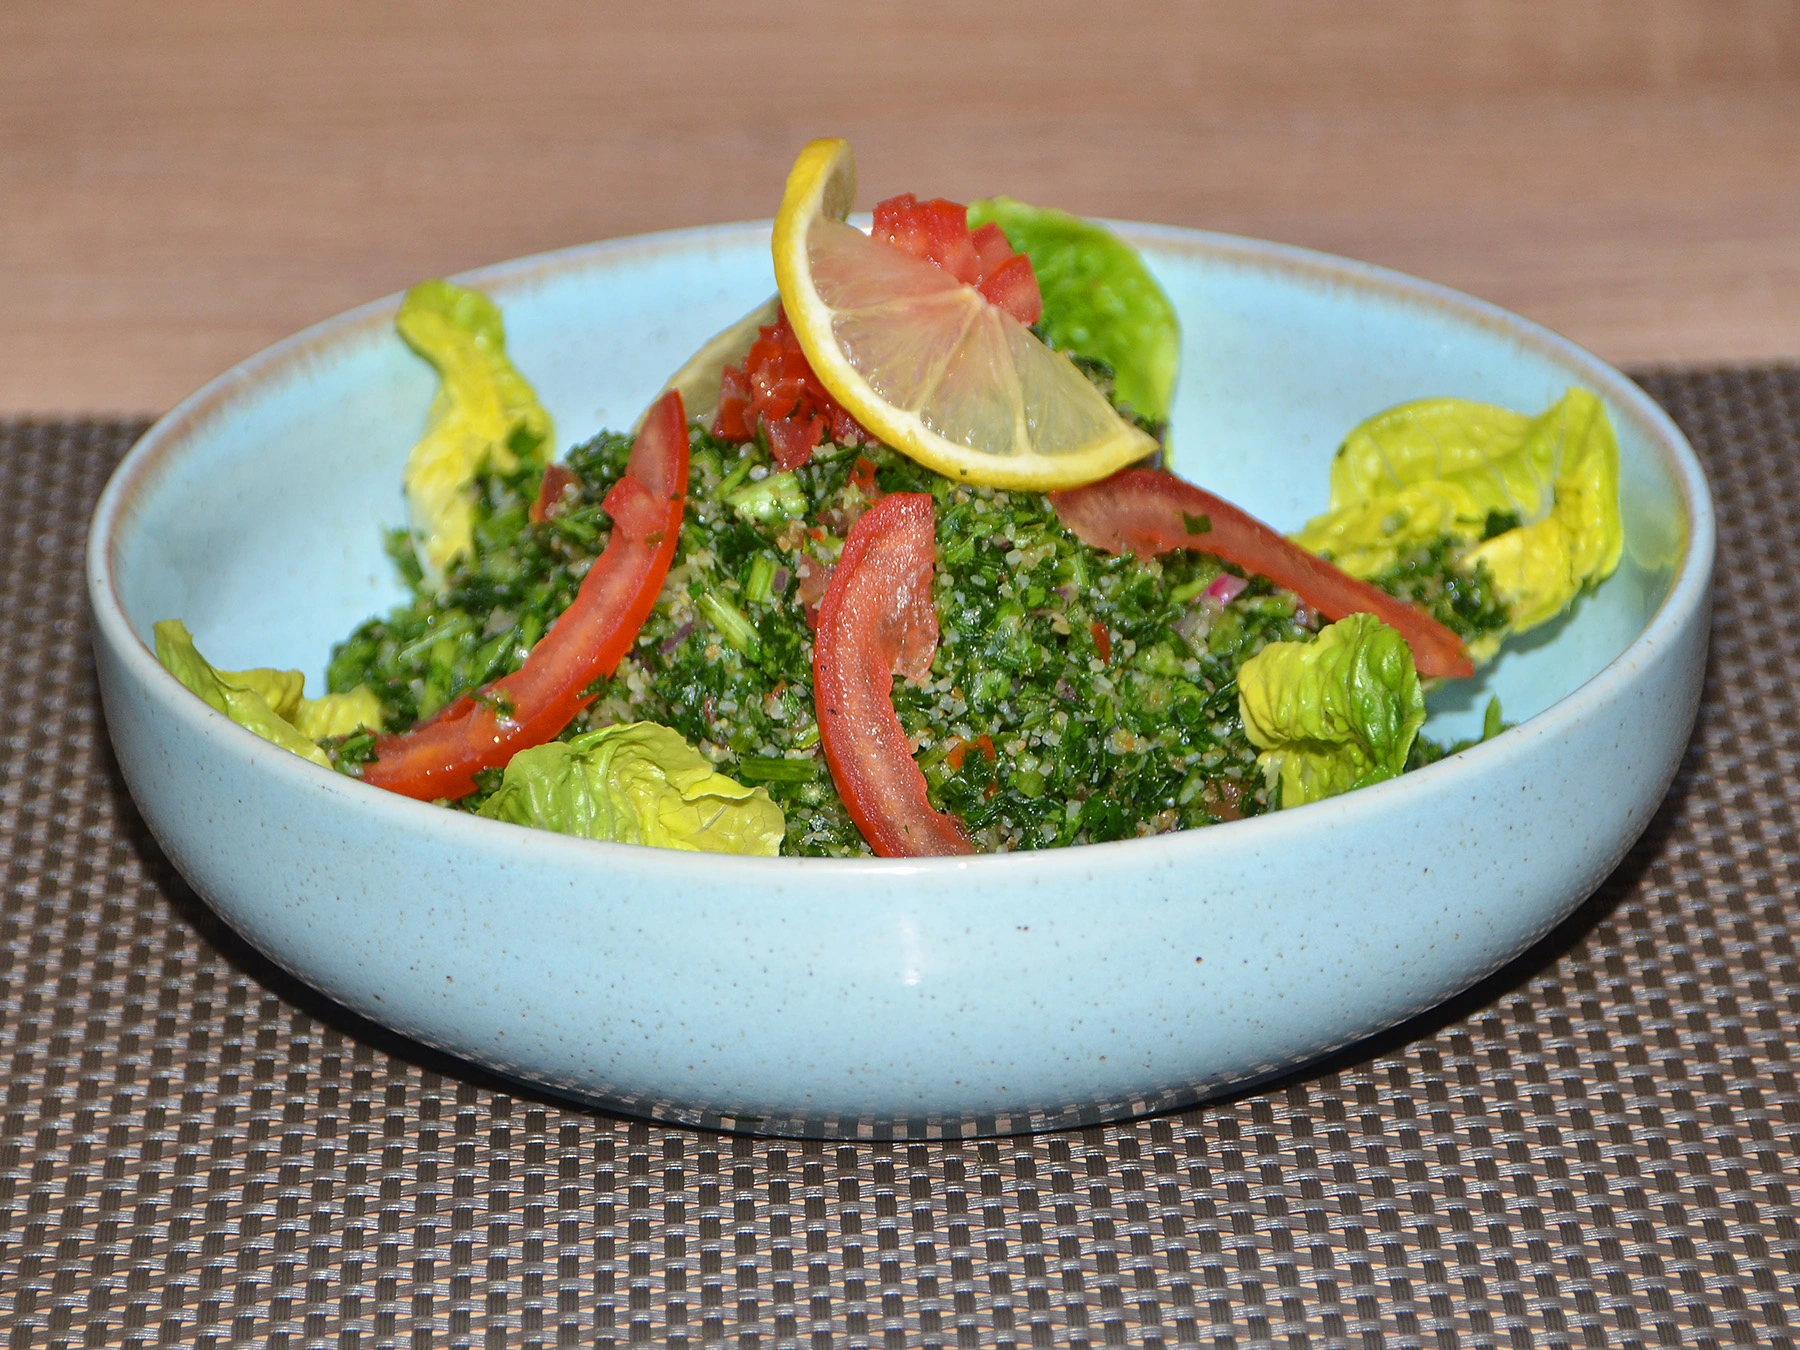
183 183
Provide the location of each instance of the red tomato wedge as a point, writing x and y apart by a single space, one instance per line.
876 621
1147 512
441 756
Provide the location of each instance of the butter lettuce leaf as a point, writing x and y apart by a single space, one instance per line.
272 703
1337 713
1100 301
636 783
337 714
483 415
1541 566
1535 500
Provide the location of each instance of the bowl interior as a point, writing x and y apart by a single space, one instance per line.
257 514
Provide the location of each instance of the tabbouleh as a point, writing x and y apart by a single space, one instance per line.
1074 697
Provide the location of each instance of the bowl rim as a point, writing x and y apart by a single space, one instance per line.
162 443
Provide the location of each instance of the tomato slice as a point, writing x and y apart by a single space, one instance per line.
1147 512
876 621
441 756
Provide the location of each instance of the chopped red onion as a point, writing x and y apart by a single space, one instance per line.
675 639
1225 588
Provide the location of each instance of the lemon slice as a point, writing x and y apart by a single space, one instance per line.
924 362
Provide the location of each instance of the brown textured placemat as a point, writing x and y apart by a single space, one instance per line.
1597 1147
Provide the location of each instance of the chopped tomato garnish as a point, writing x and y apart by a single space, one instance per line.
957 753
991 247
1102 640
862 478
1147 512
938 231
441 756
776 388
558 479
813 579
877 621
1013 287
792 441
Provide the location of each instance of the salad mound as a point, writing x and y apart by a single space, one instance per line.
762 628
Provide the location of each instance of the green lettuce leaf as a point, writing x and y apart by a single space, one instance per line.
636 783
1100 301
272 703
484 414
337 714
1337 713
1535 499
1544 564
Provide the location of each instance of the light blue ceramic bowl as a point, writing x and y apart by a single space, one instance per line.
856 998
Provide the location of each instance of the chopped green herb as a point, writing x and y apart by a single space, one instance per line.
1456 594
762 576
1492 722
774 499
1499 522
761 769
1086 748
736 629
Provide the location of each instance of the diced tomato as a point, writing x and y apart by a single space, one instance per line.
862 478
1102 640
441 756
991 247
813 579
1147 512
558 479
957 753
845 429
877 621
734 420
1014 287
776 388
938 231
792 441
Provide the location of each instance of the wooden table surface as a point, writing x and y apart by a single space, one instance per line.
183 183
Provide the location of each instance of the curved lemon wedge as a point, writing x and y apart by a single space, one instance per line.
923 361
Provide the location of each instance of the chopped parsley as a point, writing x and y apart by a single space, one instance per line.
1435 578
1074 696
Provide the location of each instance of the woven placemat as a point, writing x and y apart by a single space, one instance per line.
1596 1147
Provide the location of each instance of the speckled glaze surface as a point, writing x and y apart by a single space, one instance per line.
885 998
